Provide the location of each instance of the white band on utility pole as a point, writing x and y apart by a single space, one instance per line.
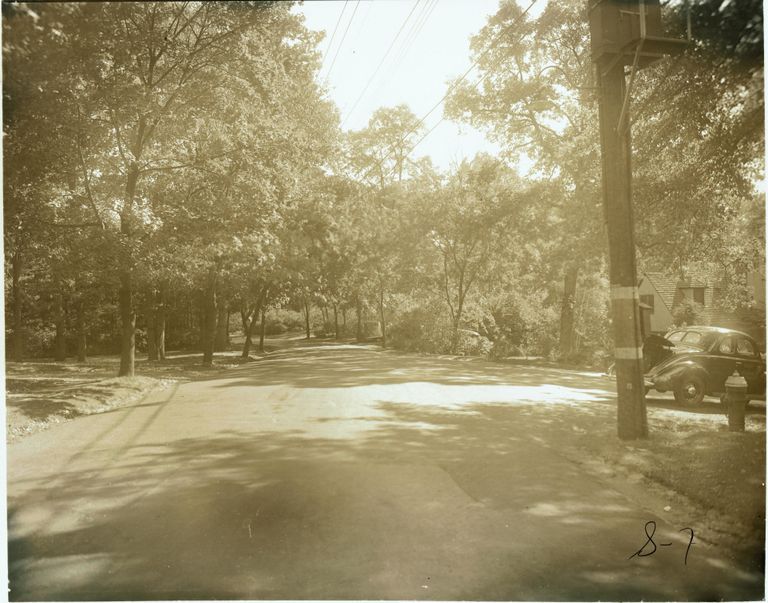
628 353
618 292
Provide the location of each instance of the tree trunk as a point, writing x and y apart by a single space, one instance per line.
160 323
462 294
247 318
202 302
248 342
60 342
455 335
262 330
81 335
151 327
125 297
306 317
344 317
244 318
17 305
222 327
209 318
335 321
128 322
359 310
381 317
567 311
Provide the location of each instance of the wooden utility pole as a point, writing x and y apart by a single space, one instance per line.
617 206
624 33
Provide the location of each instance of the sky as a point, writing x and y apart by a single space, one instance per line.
432 48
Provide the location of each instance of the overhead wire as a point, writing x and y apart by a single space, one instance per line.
333 35
341 43
414 34
383 59
414 26
490 46
408 40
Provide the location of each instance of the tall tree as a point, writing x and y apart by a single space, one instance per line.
534 99
155 96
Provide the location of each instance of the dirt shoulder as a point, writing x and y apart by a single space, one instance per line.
41 394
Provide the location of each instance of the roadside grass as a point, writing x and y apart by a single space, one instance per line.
705 474
42 393
692 460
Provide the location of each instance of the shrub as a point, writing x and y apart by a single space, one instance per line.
327 330
38 339
523 326
421 329
274 327
687 313
473 344
279 321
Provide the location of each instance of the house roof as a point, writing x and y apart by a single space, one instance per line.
669 287
699 275
665 285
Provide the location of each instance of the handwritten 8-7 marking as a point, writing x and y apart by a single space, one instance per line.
650 530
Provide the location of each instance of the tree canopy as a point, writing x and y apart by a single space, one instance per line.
171 164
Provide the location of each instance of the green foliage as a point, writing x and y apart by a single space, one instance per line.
687 312
379 152
281 320
186 153
169 139
523 325
422 327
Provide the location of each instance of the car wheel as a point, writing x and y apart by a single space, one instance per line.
690 390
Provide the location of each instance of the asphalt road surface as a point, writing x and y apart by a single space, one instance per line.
342 472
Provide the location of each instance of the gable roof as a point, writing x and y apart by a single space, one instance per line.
670 289
700 275
665 285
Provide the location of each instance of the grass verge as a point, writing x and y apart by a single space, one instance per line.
40 394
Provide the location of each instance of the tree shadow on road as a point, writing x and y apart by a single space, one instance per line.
422 496
340 366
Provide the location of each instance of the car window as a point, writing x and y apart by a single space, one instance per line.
692 337
744 347
675 336
726 346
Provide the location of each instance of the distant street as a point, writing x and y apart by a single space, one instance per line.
343 472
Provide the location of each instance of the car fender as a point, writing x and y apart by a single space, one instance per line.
670 375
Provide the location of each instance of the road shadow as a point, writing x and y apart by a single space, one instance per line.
356 365
423 496
42 399
350 365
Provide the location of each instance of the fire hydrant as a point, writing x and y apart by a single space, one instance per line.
736 401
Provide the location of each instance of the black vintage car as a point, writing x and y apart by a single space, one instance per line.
699 361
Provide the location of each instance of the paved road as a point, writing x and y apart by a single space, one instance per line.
342 472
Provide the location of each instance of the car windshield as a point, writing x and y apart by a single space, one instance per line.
686 337
692 338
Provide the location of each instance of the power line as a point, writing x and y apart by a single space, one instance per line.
341 43
408 41
414 34
414 26
493 42
335 29
383 59
473 65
